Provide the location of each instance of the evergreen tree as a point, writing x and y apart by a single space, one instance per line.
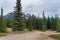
48 23
30 26
27 20
58 28
2 27
53 23
34 21
57 23
8 23
44 23
39 23
18 17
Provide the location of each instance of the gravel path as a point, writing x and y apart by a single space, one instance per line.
36 35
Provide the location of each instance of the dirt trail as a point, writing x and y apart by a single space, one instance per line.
36 35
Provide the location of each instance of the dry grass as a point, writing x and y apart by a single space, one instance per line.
2 34
9 30
57 36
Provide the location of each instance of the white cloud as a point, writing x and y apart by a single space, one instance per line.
33 6
8 5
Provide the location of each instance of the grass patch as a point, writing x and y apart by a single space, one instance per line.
57 36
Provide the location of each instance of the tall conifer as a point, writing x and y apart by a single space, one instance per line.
2 27
18 17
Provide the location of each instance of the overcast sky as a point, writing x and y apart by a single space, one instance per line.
51 7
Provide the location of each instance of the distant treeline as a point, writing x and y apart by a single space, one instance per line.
20 22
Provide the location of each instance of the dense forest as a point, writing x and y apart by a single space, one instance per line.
20 22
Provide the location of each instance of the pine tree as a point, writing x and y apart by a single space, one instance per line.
39 23
30 26
58 28
8 23
44 23
57 23
48 23
2 27
53 23
34 21
18 17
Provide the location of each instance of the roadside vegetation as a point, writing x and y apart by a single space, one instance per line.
57 36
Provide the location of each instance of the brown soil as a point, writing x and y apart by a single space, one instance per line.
35 35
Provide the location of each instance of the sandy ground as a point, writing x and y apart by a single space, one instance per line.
36 35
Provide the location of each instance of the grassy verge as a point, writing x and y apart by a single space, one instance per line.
57 36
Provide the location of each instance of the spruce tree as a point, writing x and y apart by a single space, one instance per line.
39 23
8 23
2 27
58 27
53 23
30 26
48 23
44 22
34 21
18 17
57 23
